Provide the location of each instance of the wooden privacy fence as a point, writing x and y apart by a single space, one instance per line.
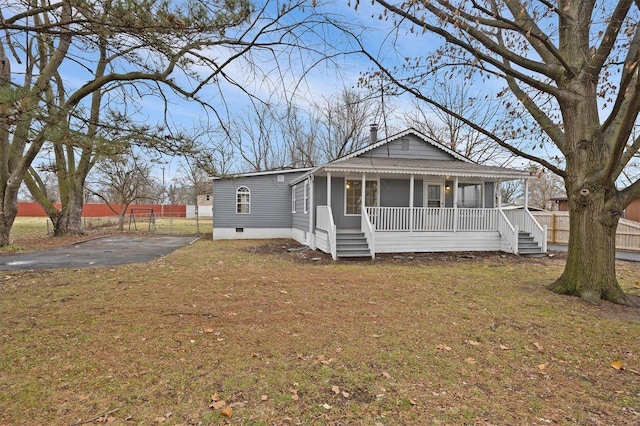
627 237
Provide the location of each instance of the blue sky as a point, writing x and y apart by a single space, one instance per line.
324 79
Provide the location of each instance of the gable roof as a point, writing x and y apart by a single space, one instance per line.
410 131
461 166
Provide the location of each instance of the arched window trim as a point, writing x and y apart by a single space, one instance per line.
243 200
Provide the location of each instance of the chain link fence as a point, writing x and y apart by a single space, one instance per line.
149 224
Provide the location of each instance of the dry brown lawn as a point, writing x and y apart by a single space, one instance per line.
248 333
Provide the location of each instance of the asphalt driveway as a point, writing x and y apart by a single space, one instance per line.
105 251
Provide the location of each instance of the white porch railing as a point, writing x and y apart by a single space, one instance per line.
324 221
525 221
508 232
432 219
367 227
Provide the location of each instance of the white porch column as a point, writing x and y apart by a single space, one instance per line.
329 189
411 191
455 204
526 194
363 192
499 194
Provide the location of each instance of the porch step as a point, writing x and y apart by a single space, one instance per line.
527 245
352 244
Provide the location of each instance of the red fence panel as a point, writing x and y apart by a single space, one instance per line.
29 209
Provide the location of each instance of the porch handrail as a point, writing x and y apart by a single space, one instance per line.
526 222
508 231
445 219
367 227
538 232
325 222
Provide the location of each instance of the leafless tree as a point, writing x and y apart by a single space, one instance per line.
455 133
122 180
569 67
128 51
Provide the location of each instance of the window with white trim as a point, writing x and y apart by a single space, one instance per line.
293 199
243 200
306 196
353 192
470 195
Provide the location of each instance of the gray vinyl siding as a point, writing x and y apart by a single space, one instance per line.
395 192
270 203
337 205
489 195
300 219
448 195
417 149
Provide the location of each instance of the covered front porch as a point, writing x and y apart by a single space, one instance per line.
433 218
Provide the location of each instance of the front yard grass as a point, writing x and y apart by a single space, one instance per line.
249 330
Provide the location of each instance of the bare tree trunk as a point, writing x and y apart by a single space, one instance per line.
121 219
7 217
69 219
8 208
590 268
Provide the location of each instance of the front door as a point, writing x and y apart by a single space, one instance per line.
434 195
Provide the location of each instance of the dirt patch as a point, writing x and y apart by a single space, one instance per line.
295 252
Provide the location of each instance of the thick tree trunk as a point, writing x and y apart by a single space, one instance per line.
69 219
6 222
590 270
121 219
9 211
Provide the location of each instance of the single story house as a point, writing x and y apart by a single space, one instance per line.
405 193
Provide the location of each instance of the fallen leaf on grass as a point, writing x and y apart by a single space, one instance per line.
227 412
386 375
504 347
264 397
335 389
472 342
444 347
217 405
470 360
326 406
538 346
543 366
345 394
617 365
